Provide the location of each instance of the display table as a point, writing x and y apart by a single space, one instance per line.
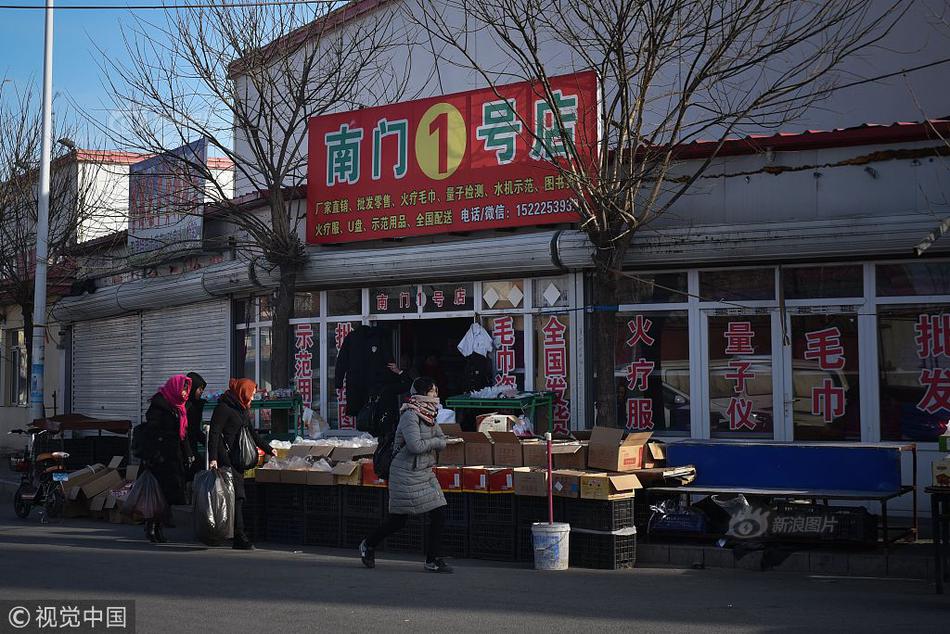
940 514
524 402
292 405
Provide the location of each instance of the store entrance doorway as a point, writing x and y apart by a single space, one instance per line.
429 347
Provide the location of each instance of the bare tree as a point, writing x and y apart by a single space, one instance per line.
248 79
76 203
670 72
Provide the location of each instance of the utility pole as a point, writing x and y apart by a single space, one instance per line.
37 410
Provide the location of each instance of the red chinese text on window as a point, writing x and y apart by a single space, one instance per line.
825 347
933 335
340 333
503 330
740 374
740 414
639 414
438 298
639 410
828 400
346 421
460 296
640 329
739 336
405 300
382 302
555 371
936 382
303 362
638 374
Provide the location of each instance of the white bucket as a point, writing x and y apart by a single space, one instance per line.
551 545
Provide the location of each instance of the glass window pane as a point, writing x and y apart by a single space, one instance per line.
307 305
245 354
267 343
266 307
742 284
305 362
392 300
345 302
507 331
652 372
740 376
505 295
336 398
825 377
22 376
243 310
442 298
647 288
550 293
914 358
552 368
817 282
917 278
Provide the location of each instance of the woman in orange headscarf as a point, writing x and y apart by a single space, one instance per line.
230 416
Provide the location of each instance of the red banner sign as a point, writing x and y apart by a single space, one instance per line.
464 162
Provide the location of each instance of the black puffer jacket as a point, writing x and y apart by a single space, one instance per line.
226 423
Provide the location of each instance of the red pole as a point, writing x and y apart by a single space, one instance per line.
547 437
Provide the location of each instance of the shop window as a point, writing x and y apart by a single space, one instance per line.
336 399
444 298
825 377
652 288
507 332
552 368
265 307
307 305
19 372
740 376
245 354
914 358
917 278
267 343
819 282
503 295
391 300
244 310
651 372
737 285
345 302
305 362
551 293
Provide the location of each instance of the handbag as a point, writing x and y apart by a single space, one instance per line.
366 419
244 455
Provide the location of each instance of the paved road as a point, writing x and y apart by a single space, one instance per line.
187 587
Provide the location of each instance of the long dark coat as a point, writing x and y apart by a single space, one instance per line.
226 423
362 362
169 453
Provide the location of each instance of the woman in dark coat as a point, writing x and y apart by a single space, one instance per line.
169 452
230 416
195 409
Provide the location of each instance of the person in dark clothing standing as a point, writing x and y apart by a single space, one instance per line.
396 386
169 451
195 410
363 362
230 416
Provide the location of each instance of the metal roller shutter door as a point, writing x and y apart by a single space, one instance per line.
105 368
185 339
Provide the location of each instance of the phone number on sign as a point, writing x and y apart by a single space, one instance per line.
545 207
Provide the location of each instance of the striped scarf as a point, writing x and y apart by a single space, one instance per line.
425 407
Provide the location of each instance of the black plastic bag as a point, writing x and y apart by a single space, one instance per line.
245 453
145 498
213 507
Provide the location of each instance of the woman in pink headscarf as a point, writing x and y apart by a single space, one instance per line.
169 451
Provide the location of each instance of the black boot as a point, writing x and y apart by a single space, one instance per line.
150 531
160 534
241 542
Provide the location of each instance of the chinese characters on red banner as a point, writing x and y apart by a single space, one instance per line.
739 336
345 421
555 371
303 362
824 347
503 331
640 410
933 340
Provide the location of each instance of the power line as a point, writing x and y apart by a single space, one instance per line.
138 7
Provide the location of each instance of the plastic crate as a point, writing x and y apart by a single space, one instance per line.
525 543
322 530
497 542
529 510
486 508
456 511
356 529
599 515
604 551
454 541
285 528
105 447
322 500
283 498
410 539
819 523
367 502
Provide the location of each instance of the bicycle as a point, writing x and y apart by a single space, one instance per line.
43 475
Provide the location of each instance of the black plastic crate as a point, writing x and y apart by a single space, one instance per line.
356 529
409 539
285 528
599 515
367 502
107 446
322 500
456 510
454 541
525 543
603 551
487 508
529 509
322 530
283 498
497 542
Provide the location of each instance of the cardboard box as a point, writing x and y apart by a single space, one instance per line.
352 454
531 481
450 478
315 451
507 451
610 451
487 479
941 472
609 486
495 422
478 448
566 483
454 452
655 455
109 479
369 477
80 477
131 473
293 476
571 455
535 452
265 476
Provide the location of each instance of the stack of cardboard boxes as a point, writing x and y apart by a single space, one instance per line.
346 466
97 491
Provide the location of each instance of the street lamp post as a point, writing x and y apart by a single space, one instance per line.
37 395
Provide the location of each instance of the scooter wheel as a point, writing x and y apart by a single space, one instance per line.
55 502
20 506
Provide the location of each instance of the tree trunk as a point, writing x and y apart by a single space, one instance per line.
605 329
280 343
